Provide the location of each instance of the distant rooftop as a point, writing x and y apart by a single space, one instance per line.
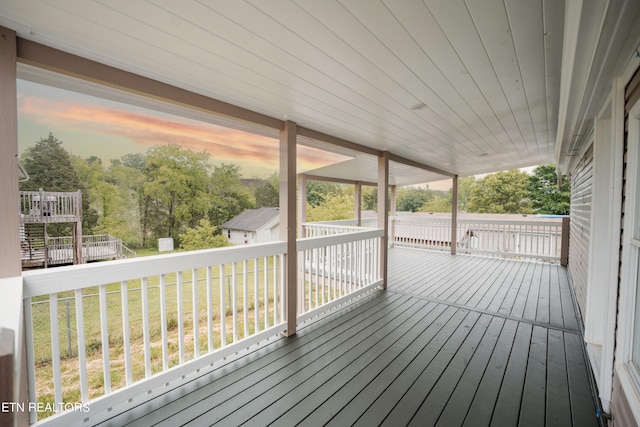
252 219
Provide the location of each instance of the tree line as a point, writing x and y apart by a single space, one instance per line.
513 192
170 191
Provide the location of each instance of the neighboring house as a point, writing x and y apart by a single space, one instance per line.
253 226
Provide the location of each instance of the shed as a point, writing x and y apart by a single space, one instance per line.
253 226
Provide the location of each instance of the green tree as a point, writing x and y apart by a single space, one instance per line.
203 236
51 168
91 174
369 198
117 200
129 173
175 190
546 196
411 199
440 202
334 207
501 192
267 192
317 190
134 160
465 186
228 196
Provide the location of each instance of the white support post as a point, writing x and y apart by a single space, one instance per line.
302 205
10 263
10 259
288 137
454 215
357 205
392 230
302 219
383 212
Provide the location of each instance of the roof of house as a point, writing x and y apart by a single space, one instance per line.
252 219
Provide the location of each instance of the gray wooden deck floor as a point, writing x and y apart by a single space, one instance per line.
454 341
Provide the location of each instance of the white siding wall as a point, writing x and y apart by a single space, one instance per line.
238 237
264 235
581 182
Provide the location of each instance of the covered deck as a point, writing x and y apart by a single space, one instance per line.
453 341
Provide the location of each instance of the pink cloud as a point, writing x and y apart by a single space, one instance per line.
141 128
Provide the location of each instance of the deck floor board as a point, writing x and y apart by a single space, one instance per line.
454 341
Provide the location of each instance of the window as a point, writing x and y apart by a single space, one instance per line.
632 226
629 320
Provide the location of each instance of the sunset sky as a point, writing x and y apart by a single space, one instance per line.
90 126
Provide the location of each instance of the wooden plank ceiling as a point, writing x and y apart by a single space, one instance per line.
467 86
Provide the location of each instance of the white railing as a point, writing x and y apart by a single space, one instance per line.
538 239
122 325
318 229
95 328
329 228
336 267
532 238
50 206
96 247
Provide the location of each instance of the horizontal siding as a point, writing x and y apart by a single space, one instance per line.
620 408
580 229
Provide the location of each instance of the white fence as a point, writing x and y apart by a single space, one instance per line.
329 228
538 239
142 325
532 238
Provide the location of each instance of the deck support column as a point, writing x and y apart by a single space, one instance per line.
10 262
392 227
288 221
357 203
78 257
77 242
302 205
12 354
454 215
564 246
383 212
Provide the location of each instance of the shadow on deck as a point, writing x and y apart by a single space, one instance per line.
454 341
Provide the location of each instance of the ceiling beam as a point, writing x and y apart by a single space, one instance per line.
320 136
338 180
39 55
408 162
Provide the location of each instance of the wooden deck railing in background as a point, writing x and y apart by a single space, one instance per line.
135 320
50 206
97 247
